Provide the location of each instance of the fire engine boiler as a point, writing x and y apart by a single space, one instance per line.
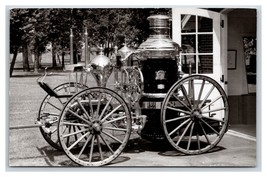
158 59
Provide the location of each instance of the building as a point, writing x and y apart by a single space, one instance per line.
221 43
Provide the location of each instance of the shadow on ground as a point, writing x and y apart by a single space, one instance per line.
134 146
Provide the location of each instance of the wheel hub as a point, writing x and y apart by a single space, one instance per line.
96 127
196 114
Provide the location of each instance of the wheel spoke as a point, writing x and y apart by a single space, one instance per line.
208 94
86 113
198 141
81 132
61 101
200 92
111 136
181 137
214 110
215 119
177 118
84 146
99 147
109 114
68 138
114 120
179 110
107 144
185 94
90 105
78 116
75 124
190 136
104 110
181 102
91 148
209 126
192 91
77 141
54 106
177 128
75 133
115 129
65 128
211 102
98 104
205 133
54 131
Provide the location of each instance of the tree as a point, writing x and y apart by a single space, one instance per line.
15 37
33 29
28 31
116 26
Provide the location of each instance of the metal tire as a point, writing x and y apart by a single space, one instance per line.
99 122
194 114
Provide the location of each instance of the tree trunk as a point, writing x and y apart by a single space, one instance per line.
13 61
63 59
29 56
58 58
54 61
25 58
36 61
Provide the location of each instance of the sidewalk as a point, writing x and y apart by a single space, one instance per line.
243 131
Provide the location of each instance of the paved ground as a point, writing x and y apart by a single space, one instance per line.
27 148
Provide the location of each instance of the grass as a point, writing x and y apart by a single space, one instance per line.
46 61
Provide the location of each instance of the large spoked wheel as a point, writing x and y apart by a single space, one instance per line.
194 114
51 108
94 127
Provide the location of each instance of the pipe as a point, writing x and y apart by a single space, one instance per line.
190 68
86 56
25 126
71 47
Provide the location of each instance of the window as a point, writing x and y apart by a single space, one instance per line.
197 44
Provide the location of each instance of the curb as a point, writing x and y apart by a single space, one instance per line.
241 135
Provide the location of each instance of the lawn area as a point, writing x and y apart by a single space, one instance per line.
46 60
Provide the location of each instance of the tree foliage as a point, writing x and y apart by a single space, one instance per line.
36 28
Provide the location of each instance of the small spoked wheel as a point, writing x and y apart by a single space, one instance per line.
51 108
194 114
134 80
94 127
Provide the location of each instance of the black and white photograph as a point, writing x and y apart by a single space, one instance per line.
133 87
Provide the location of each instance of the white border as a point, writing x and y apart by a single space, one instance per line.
133 3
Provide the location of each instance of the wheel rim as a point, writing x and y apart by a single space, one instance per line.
99 123
194 114
50 111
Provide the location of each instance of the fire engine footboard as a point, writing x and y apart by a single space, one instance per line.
201 113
